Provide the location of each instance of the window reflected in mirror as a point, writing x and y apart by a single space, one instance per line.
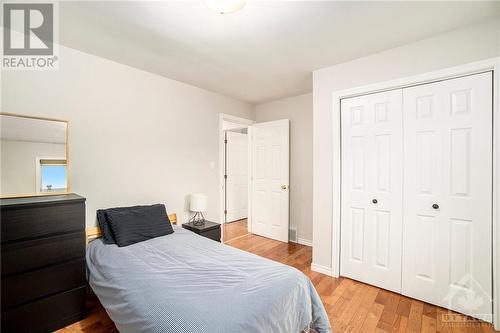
33 156
52 175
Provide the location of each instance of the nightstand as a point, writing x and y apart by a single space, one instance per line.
209 230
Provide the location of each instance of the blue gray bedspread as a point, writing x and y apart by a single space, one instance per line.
186 283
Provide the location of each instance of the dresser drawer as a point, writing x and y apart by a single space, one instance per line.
22 256
46 315
18 223
26 287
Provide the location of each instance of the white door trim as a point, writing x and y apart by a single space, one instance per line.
492 64
238 120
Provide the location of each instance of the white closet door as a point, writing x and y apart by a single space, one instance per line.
237 176
270 176
448 194
372 189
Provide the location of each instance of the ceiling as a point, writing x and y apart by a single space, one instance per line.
264 52
32 130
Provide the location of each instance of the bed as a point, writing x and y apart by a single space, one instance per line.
183 282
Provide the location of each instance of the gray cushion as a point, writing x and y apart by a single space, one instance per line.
107 235
135 224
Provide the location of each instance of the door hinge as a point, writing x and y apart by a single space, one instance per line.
225 141
225 176
225 212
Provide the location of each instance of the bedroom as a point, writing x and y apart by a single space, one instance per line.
131 97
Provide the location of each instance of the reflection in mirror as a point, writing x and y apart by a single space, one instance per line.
33 156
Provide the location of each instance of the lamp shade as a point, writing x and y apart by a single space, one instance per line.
198 202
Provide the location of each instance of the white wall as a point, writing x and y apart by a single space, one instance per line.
234 127
473 43
299 110
18 164
135 137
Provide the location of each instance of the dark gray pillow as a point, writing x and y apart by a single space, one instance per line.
107 235
131 225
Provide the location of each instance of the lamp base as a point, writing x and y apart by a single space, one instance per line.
198 219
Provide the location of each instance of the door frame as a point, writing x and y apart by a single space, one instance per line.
492 64
244 122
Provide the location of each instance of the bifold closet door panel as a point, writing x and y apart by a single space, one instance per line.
447 239
371 216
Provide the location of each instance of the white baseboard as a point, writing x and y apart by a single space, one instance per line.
304 241
321 269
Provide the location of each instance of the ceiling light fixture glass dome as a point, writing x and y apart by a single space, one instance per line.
225 6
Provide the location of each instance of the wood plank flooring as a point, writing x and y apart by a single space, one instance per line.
236 229
352 306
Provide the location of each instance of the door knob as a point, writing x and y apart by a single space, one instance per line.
374 201
283 187
435 206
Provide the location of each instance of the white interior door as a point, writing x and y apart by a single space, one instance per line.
270 179
237 176
448 194
372 189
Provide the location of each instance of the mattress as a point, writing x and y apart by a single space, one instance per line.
183 282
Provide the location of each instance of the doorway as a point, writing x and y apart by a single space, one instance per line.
254 179
235 159
235 182
236 175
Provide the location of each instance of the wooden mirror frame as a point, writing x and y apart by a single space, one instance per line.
68 189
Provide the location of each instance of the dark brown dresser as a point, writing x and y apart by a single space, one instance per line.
42 262
207 229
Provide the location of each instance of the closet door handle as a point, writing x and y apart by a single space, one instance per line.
374 201
435 206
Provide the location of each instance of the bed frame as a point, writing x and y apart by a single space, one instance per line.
95 232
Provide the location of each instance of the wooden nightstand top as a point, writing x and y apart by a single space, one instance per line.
201 228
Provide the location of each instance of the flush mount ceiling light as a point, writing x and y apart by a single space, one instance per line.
225 6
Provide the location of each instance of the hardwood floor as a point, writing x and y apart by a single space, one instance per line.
236 229
97 320
352 306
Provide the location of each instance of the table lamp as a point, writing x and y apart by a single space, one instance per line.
198 203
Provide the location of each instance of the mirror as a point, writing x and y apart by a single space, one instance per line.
34 156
